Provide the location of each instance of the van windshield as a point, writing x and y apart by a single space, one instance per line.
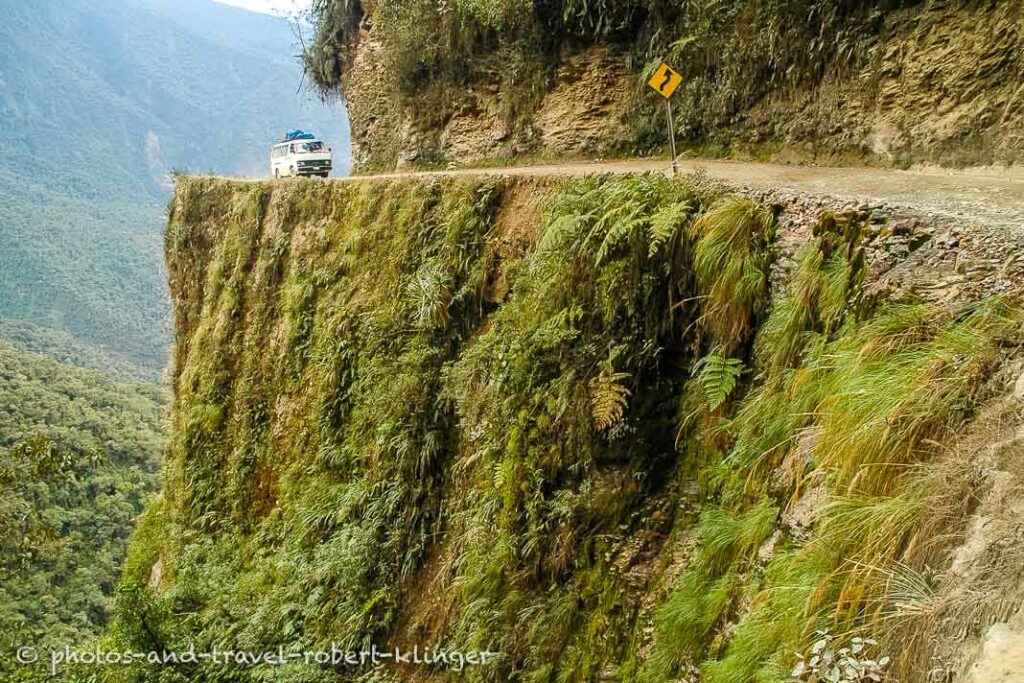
308 147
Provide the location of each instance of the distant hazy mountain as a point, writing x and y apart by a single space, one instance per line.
99 100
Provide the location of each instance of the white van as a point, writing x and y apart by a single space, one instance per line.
300 157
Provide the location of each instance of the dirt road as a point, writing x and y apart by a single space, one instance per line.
986 196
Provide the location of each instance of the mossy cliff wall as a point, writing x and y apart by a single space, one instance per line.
572 422
882 81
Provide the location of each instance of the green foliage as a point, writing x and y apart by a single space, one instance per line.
609 396
392 425
546 439
83 265
850 404
718 377
731 265
824 288
683 31
336 510
395 400
77 407
705 595
67 350
861 418
735 52
79 456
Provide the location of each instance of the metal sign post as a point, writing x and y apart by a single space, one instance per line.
672 136
665 81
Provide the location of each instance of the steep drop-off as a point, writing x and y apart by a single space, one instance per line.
615 429
891 82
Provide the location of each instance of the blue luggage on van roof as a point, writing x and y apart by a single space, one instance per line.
296 134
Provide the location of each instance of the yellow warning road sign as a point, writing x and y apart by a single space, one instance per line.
665 80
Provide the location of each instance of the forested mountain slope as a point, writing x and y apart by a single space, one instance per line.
99 101
67 350
79 456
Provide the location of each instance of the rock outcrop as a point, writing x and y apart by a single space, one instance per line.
932 83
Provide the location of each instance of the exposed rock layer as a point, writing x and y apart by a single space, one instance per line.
941 82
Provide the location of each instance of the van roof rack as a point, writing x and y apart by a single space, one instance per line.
296 134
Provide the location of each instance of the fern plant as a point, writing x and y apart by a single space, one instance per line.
608 396
718 376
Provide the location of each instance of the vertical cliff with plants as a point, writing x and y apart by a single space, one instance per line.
610 429
885 81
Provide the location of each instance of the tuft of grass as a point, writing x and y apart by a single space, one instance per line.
707 592
731 266
860 414
897 384
826 285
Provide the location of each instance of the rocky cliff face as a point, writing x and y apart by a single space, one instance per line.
582 114
617 429
933 83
